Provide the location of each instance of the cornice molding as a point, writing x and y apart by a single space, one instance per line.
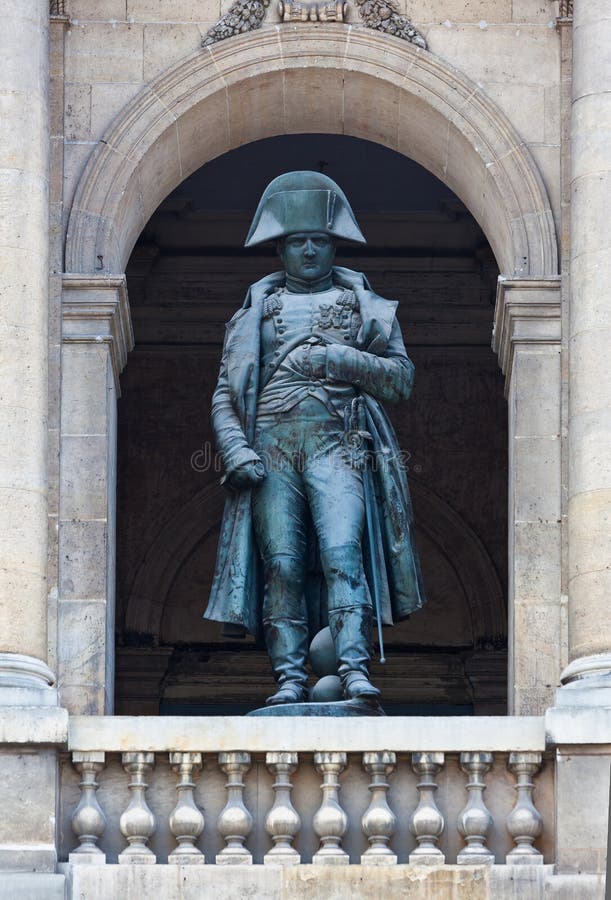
95 310
528 311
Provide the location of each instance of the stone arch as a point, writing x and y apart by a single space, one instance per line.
334 79
443 526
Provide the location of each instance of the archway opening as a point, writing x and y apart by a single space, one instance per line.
187 274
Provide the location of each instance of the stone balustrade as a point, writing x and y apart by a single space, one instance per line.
283 791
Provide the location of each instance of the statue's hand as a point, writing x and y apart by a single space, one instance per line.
318 361
311 359
249 475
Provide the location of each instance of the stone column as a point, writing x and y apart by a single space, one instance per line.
96 338
24 281
527 338
587 678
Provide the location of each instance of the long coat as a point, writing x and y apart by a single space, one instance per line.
236 594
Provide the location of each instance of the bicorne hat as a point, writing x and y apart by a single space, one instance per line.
303 201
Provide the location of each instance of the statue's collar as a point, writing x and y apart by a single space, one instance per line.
341 276
298 286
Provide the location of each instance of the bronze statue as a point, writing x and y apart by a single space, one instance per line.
314 472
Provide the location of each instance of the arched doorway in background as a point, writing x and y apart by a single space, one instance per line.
330 80
187 274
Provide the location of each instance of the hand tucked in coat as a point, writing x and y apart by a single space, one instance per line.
310 359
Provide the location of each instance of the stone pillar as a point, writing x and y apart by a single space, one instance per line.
587 678
96 338
24 279
527 331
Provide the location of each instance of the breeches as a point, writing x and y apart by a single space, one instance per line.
308 479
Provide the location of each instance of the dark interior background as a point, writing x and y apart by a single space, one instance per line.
187 275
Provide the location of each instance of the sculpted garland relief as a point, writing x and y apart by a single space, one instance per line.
380 15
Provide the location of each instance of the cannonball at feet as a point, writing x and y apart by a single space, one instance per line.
322 654
327 689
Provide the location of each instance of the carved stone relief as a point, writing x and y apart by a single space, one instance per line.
383 15
380 15
243 16
325 11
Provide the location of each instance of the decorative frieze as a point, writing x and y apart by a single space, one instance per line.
380 15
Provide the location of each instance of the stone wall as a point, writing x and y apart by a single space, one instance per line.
509 47
111 54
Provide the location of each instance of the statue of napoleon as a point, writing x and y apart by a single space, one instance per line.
317 526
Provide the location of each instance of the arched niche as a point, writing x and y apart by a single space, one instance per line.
334 79
450 535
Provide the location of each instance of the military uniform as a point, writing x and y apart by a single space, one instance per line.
277 404
300 437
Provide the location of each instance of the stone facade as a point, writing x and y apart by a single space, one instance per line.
108 107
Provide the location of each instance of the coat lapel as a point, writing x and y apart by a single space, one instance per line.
377 314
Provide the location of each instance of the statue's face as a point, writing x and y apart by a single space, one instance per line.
307 255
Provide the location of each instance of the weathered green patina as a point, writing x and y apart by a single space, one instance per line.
318 526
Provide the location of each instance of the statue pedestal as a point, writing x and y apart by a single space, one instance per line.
338 708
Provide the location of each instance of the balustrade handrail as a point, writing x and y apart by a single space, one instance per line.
138 822
212 734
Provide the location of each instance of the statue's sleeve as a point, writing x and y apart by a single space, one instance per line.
388 378
230 437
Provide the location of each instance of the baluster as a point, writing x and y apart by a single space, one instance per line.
427 823
283 821
234 822
137 823
524 822
475 819
88 820
186 819
330 821
379 821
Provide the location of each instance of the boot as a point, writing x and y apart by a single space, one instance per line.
287 643
351 630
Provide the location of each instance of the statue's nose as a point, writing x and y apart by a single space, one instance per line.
309 249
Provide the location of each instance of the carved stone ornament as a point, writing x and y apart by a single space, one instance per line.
88 820
566 9
248 15
137 823
243 15
235 821
383 15
321 11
